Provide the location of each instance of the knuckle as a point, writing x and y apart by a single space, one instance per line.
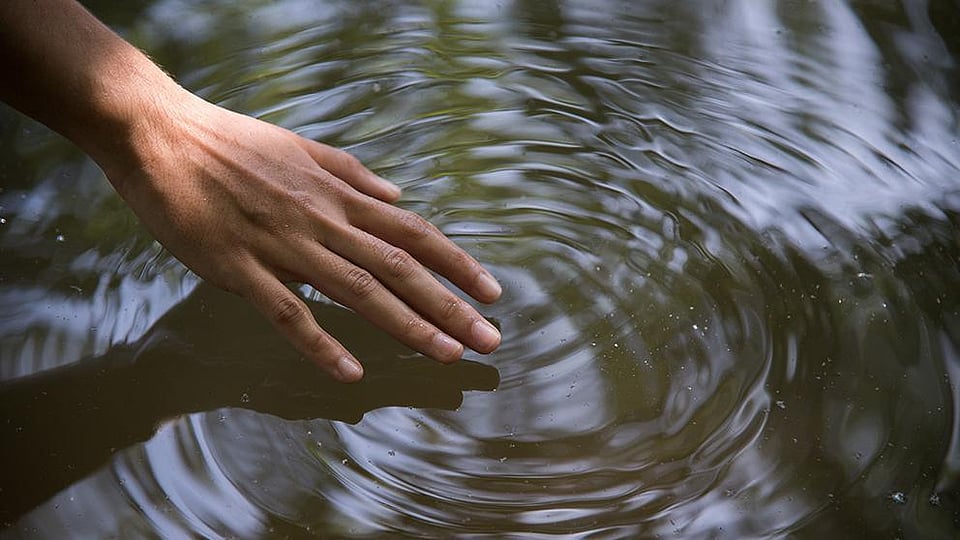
317 344
399 263
350 162
451 307
303 201
461 260
362 284
287 311
416 328
416 227
261 217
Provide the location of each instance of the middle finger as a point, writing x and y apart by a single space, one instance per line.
354 287
411 281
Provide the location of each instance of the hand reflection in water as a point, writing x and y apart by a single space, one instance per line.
211 351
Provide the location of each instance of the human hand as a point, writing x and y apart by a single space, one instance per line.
244 204
249 206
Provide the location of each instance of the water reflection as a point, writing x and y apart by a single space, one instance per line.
210 352
728 235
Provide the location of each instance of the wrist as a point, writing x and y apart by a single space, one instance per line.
132 116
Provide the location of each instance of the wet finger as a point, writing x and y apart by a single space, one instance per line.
358 289
290 315
427 244
418 288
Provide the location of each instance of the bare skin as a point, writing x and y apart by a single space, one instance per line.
246 205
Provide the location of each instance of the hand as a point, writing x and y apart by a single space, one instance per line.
248 206
244 204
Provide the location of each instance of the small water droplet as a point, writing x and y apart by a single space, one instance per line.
898 497
782 404
391 453
245 398
935 499
61 238
3 221
503 460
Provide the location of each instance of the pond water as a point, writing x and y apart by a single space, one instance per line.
728 234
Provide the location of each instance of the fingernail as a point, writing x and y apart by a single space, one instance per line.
447 347
349 370
488 286
485 335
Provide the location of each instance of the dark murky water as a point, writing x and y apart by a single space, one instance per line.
728 231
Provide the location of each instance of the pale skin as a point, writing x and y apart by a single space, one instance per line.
246 205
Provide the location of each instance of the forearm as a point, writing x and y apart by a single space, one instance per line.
63 67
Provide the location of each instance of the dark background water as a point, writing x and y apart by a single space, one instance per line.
728 233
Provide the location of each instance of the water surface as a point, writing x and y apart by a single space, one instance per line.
728 234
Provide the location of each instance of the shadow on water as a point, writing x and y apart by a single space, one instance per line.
209 352
728 232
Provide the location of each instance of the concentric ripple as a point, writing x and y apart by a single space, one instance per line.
728 238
